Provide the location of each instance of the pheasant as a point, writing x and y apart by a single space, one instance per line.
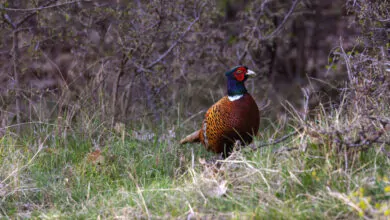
234 117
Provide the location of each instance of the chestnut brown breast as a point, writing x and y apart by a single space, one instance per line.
227 121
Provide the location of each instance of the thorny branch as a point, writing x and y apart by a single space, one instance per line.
366 136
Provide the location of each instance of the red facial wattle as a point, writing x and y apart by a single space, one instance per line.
239 74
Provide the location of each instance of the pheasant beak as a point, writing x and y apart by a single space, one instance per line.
250 73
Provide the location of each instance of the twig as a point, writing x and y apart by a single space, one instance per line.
33 13
140 68
243 55
277 141
139 192
219 58
149 97
115 89
366 138
347 63
28 163
285 149
273 49
45 7
276 31
9 21
62 75
385 152
15 54
173 45
345 199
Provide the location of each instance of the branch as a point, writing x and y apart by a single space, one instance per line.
15 60
115 88
16 25
173 45
33 13
277 141
140 68
45 7
276 31
243 55
385 152
9 21
285 149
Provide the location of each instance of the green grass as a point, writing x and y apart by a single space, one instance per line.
45 175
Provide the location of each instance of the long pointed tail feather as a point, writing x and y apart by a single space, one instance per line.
193 137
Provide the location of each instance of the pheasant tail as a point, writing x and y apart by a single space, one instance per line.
193 137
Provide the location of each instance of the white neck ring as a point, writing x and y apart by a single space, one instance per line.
235 97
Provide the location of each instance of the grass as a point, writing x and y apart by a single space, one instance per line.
44 175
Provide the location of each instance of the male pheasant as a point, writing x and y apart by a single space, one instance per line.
234 117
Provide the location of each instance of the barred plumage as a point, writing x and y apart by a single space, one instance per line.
228 121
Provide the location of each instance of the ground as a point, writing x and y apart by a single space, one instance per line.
130 174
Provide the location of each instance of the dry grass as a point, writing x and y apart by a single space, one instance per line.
336 165
133 178
83 165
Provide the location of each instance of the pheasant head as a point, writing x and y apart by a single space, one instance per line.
236 78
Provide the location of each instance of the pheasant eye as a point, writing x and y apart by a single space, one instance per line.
239 75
